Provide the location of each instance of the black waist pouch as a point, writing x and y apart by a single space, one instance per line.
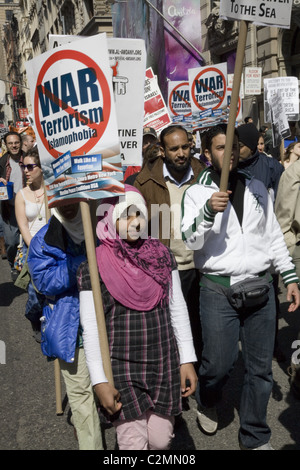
249 293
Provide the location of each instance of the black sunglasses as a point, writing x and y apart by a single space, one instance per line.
29 167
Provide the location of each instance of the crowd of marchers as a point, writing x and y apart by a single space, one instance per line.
187 272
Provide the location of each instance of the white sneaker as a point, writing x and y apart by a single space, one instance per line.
266 446
208 420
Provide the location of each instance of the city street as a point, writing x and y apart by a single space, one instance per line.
27 392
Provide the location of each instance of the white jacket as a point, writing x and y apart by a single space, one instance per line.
225 248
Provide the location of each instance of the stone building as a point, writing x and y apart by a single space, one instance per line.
276 50
8 59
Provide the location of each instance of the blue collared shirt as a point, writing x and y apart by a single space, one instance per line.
187 177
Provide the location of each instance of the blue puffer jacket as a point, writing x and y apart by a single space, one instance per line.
53 264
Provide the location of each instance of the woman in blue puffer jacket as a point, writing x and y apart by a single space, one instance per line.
55 253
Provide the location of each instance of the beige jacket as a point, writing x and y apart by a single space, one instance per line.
287 204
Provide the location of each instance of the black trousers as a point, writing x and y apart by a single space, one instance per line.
191 290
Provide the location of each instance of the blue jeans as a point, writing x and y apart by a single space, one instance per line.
11 235
222 328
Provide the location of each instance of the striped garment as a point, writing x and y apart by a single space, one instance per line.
144 355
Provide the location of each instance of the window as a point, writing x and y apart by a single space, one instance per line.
295 54
8 15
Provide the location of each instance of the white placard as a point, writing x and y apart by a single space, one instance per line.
289 89
260 12
127 58
253 80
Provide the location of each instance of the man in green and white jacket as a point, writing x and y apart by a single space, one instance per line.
235 235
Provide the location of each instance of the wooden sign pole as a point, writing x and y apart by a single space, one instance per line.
234 104
57 376
91 256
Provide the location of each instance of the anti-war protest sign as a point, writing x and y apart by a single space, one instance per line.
208 87
179 103
205 102
211 108
75 121
127 59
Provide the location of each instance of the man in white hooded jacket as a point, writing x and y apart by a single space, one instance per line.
235 236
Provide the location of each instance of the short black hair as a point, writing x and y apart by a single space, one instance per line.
12 133
211 133
169 130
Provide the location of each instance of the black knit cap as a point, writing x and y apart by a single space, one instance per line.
248 135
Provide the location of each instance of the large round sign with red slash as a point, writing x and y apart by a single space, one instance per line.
209 89
179 100
71 110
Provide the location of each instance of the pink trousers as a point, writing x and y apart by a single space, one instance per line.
149 432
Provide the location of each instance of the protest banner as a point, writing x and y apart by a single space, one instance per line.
281 104
77 135
289 90
208 87
259 12
156 113
180 109
127 59
179 98
280 126
75 121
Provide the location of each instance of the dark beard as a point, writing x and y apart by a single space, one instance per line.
179 169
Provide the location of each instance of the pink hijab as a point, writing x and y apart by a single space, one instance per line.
137 275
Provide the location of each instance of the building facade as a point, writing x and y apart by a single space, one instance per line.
8 55
26 27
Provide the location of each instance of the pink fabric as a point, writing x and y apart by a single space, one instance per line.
137 275
149 432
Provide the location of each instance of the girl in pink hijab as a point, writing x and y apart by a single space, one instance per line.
149 334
